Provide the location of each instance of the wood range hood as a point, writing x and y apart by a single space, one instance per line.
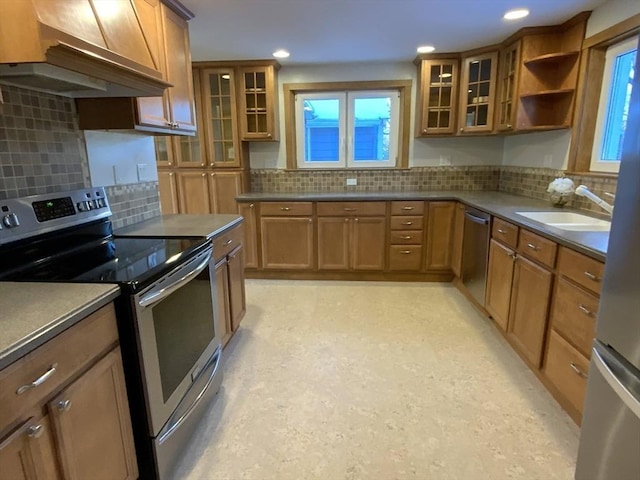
78 48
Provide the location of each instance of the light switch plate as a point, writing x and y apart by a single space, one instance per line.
352 182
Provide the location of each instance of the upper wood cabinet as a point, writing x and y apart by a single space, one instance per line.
259 101
167 33
477 93
220 119
526 83
507 87
437 96
549 76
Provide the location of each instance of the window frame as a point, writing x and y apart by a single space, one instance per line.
592 63
602 117
402 87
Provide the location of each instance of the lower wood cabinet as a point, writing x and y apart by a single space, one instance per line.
91 421
440 225
76 423
530 298
250 242
231 299
499 282
287 243
458 237
199 191
351 243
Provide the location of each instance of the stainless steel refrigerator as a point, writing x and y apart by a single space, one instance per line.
610 438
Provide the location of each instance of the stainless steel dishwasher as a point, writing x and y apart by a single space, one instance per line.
475 252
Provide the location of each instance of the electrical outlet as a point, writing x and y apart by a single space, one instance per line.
117 175
547 160
352 182
445 160
144 175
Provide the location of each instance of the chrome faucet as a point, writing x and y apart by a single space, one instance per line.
583 191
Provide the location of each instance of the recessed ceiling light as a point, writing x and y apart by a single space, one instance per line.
516 14
281 54
426 49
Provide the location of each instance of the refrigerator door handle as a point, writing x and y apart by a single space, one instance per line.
625 395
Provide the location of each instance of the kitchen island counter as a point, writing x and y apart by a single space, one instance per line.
182 225
33 313
499 204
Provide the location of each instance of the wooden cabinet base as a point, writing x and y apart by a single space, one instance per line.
353 275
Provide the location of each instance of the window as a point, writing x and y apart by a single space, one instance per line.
347 129
613 107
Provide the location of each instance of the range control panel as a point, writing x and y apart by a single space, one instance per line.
29 216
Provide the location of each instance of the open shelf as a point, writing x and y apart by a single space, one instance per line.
551 58
548 93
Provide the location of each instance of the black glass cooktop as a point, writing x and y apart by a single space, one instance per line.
130 262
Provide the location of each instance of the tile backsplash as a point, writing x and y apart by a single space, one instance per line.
420 178
43 151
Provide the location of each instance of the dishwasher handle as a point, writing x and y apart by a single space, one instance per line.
476 219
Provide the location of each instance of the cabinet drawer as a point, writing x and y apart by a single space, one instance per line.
407 223
405 257
64 356
567 369
574 315
406 237
581 269
407 208
287 209
226 242
505 232
330 209
537 248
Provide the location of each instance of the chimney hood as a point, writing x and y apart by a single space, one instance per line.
78 48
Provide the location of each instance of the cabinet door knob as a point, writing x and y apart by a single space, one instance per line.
64 405
35 431
251 205
424 130
169 163
204 174
269 135
509 125
171 174
357 219
461 129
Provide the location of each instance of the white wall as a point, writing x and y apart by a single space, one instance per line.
610 13
531 150
422 152
120 158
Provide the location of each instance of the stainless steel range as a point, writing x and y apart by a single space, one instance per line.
170 341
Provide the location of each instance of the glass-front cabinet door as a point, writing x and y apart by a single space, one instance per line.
508 79
438 95
258 103
218 97
189 151
478 93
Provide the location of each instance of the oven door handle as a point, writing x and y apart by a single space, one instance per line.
158 294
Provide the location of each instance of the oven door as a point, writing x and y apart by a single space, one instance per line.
178 334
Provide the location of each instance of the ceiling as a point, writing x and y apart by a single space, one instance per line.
337 31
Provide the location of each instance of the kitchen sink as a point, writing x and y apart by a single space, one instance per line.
569 221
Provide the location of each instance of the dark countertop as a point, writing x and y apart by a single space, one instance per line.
33 313
182 225
503 205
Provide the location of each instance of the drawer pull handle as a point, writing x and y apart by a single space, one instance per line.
591 276
64 405
38 381
285 209
407 208
577 370
407 223
503 232
350 209
228 242
532 246
585 310
405 252
406 237
35 431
